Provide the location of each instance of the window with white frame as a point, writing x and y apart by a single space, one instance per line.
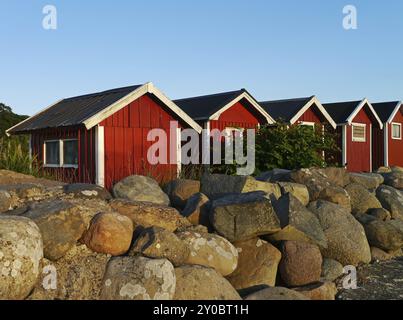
52 153
359 132
307 124
397 131
61 153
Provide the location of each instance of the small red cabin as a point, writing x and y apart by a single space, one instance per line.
356 122
103 137
390 152
303 111
229 110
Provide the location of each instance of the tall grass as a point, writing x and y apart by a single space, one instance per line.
14 156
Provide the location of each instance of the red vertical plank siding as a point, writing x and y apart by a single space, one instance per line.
359 153
240 115
395 146
86 164
126 144
313 114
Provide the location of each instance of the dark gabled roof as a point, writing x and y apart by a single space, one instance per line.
284 110
385 109
341 111
73 111
203 107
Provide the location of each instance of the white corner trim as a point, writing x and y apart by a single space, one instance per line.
386 142
35 115
252 101
311 102
358 109
344 144
134 95
100 155
397 108
370 148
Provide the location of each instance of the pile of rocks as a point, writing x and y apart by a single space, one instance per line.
282 235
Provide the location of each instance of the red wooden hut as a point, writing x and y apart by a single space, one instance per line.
228 110
102 137
303 111
356 121
390 141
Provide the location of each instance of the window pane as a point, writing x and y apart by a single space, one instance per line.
358 133
70 152
396 131
52 153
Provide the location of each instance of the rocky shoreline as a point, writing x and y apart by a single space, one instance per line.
285 235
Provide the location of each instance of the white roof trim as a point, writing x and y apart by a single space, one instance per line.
393 115
134 95
310 103
36 114
358 109
252 101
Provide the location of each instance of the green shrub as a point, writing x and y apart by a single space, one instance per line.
294 147
14 156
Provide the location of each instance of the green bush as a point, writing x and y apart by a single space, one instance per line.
294 147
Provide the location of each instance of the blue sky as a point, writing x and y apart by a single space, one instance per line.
275 49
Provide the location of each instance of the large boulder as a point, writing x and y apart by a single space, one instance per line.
257 264
244 216
301 263
87 191
361 199
179 191
346 238
150 215
140 188
201 283
21 251
331 270
138 278
394 179
277 293
210 250
217 185
159 243
275 175
76 276
370 181
319 291
61 226
386 235
317 179
297 222
197 210
380 214
5 201
392 200
336 195
299 191
109 233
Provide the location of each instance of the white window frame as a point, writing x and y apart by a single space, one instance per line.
400 129
61 155
363 125
45 164
307 124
